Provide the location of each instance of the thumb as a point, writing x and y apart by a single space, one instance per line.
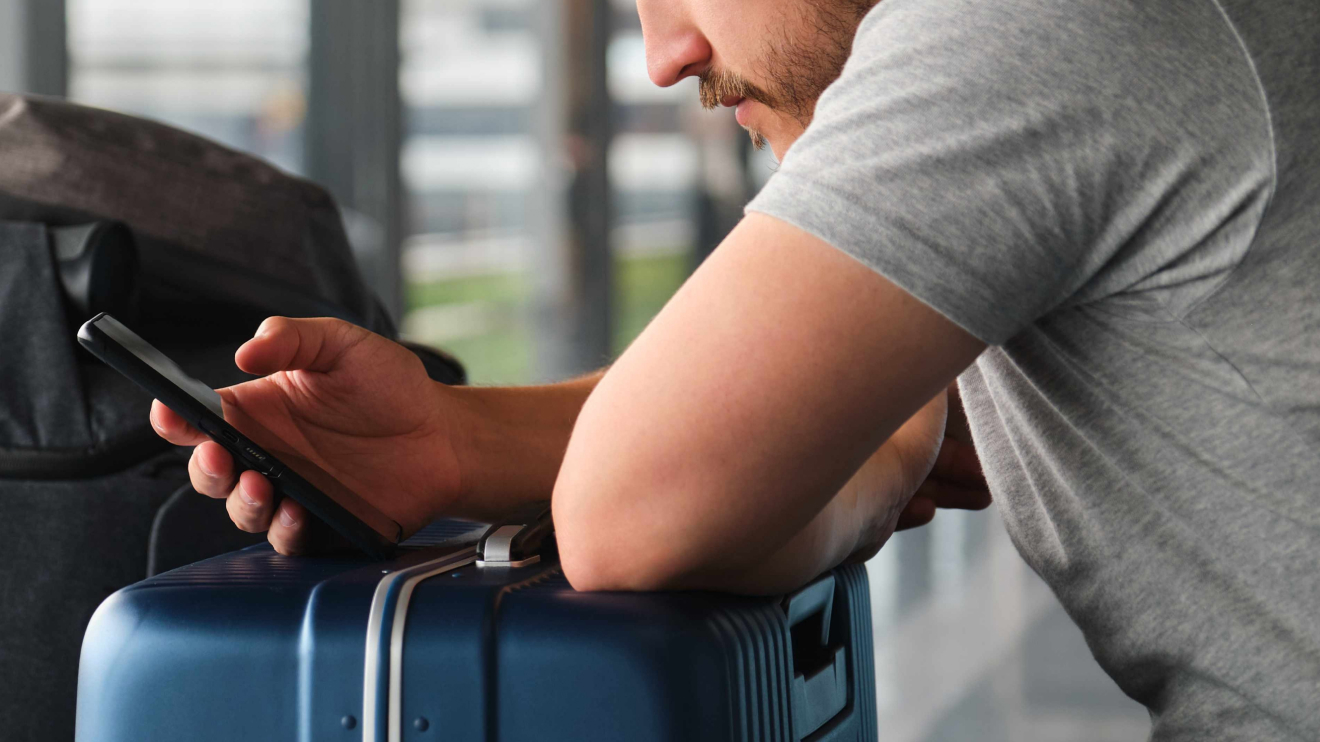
284 344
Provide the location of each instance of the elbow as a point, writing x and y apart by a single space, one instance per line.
591 570
598 552
607 540
625 517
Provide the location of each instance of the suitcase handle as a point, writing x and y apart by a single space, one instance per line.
519 541
820 672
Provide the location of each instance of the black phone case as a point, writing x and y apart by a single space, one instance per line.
245 452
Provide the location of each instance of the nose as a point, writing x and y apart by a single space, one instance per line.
675 49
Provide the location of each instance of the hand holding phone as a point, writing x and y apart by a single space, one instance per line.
354 412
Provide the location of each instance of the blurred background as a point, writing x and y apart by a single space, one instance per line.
519 193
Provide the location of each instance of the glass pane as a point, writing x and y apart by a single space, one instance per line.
233 71
470 78
653 170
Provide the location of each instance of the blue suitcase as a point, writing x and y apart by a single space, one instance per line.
471 633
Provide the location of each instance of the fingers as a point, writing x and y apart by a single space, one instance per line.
957 462
955 482
948 495
283 344
289 528
211 469
251 503
919 512
171 427
933 496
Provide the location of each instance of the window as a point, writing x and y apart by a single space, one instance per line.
232 71
470 79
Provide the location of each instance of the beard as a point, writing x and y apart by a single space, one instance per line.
799 65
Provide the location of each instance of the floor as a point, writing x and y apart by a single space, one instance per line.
971 645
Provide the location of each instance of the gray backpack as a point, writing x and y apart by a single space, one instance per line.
193 244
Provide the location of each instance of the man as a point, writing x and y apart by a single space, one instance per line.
1103 214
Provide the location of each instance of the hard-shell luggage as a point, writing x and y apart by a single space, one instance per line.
468 638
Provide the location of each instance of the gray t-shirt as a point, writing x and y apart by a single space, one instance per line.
1121 197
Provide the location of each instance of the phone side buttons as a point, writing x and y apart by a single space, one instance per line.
206 427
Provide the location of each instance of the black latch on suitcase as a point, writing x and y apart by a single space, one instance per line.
820 671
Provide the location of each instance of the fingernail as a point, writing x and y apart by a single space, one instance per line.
249 499
201 464
287 519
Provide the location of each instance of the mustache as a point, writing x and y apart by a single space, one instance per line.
713 86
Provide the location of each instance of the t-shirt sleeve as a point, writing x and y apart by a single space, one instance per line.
1001 160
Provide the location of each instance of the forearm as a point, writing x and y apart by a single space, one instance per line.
852 526
657 533
510 442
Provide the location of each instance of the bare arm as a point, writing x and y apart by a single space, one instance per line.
737 445
754 399
509 442
363 409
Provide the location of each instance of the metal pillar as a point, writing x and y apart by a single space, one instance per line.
572 260
33 47
354 126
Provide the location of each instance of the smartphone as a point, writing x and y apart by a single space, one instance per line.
251 444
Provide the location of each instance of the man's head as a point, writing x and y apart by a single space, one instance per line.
770 58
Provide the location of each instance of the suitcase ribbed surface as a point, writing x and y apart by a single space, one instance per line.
260 565
254 566
854 581
759 660
551 579
757 656
441 531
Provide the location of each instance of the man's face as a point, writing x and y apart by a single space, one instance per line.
771 59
